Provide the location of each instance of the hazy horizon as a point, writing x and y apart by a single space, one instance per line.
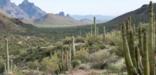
88 7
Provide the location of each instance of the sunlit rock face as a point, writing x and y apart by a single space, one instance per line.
12 10
31 10
4 2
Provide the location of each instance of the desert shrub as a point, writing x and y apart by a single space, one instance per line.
79 39
115 38
34 65
67 40
82 55
99 57
84 66
75 63
94 43
18 72
50 65
90 40
1 64
117 66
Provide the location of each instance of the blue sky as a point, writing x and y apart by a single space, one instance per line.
84 7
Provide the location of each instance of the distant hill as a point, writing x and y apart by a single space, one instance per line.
89 18
139 15
52 19
12 25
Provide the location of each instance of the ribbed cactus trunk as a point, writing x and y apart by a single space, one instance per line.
66 59
139 57
8 57
151 42
146 55
127 52
73 47
69 58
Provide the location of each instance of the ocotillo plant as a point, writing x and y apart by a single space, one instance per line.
139 57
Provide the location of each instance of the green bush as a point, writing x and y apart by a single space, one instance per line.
50 65
82 55
115 38
34 65
84 67
1 64
75 63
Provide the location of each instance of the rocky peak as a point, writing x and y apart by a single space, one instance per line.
61 13
26 2
4 2
32 10
12 9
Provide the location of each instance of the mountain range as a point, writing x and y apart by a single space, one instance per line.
12 10
89 18
30 13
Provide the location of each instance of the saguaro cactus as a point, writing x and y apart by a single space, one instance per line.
95 29
139 57
91 30
104 32
8 69
73 47
151 37
7 56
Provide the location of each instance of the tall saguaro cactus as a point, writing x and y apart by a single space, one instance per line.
95 29
104 32
7 55
151 37
73 47
8 69
139 57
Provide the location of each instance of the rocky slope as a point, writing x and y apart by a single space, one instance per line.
12 25
11 9
31 10
139 15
